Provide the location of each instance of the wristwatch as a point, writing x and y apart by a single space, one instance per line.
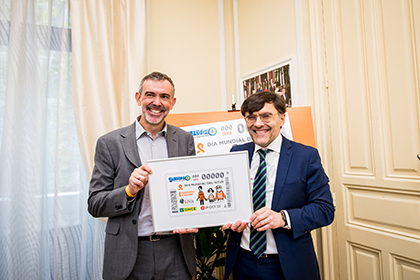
283 216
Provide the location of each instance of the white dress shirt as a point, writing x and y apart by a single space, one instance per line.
149 148
272 159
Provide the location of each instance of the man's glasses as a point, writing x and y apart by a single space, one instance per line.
265 118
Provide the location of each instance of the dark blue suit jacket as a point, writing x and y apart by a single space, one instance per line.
302 189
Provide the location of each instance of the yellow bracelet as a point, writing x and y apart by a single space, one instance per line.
128 193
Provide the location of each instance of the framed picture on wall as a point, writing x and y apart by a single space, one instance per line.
276 78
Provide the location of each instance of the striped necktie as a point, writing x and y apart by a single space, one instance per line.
258 240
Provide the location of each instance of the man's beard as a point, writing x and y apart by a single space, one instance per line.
149 118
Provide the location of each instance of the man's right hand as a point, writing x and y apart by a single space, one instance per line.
238 226
138 179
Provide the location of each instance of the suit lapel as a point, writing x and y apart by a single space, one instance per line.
250 149
172 142
129 145
282 170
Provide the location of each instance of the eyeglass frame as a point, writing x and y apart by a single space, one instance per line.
268 118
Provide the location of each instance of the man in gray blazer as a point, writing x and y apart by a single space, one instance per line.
119 190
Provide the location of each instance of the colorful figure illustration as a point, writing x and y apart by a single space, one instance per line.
201 196
219 193
211 195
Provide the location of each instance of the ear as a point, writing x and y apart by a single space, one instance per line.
282 119
137 96
173 102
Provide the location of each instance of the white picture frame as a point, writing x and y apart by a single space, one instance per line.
175 184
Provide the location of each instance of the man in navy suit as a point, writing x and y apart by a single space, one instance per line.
297 200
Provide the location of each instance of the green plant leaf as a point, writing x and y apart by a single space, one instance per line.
220 262
205 236
210 244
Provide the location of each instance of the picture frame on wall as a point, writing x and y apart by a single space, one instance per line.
276 78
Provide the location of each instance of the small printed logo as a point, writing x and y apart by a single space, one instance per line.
187 209
179 178
241 128
202 132
212 131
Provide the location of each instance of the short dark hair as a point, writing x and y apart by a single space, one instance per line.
256 102
157 76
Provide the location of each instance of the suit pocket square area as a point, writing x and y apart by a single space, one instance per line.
112 228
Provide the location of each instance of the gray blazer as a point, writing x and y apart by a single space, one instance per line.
116 156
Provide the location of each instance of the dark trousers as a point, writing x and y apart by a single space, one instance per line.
160 260
247 266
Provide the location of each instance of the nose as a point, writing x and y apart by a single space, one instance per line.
259 122
156 100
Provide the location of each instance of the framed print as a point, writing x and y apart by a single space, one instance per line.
277 78
200 191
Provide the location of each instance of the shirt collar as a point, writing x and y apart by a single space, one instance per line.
140 130
274 146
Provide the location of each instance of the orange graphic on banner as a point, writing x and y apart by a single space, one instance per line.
200 147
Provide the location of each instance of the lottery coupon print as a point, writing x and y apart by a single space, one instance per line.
201 192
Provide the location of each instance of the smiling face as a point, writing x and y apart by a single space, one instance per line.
263 133
156 100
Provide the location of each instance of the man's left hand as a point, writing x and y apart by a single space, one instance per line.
238 226
187 230
265 218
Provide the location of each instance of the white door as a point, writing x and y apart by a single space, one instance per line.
370 93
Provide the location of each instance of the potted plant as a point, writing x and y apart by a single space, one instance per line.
210 244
